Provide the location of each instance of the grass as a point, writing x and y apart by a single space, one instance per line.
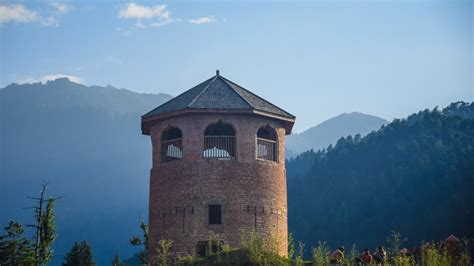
255 250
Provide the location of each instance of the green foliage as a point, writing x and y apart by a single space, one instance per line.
291 246
137 241
436 256
254 250
15 249
354 254
116 261
80 254
299 261
47 233
253 244
213 244
394 241
321 254
162 252
402 260
419 168
226 248
186 260
241 257
465 258
258 251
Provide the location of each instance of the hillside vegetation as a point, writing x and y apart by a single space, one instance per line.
329 131
415 176
86 142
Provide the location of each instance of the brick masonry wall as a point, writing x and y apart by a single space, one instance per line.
251 191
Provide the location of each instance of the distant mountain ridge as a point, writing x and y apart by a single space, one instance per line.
331 130
414 176
86 142
63 93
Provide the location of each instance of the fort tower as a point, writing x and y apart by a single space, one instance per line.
218 165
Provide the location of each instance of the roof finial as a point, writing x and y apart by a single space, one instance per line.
217 72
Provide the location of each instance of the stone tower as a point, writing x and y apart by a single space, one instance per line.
218 166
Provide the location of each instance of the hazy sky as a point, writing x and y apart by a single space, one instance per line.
314 59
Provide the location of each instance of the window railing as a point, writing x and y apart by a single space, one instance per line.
267 149
171 150
220 147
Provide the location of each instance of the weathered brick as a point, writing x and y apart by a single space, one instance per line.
181 190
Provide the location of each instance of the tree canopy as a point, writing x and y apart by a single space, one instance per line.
80 254
414 175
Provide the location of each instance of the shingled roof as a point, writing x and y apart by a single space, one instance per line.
218 93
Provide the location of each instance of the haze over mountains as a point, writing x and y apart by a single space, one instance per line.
86 141
330 131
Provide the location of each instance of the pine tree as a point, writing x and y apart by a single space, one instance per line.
136 241
45 227
80 254
15 249
47 233
116 261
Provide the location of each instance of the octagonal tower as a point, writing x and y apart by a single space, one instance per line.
218 165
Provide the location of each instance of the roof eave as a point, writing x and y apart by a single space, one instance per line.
148 121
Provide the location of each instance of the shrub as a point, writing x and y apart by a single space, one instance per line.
402 260
291 247
253 245
162 251
186 260
299 257
436 255
354 254
321 254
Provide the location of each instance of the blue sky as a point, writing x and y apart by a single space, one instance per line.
314 59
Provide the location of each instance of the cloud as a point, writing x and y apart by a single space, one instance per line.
160 24
48 77
159 14
50 21
202 20
17 13
124 32
134 11
62 8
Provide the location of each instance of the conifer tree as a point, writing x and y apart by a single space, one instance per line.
45 227
137 241
80 254
47 233
116 261
15 249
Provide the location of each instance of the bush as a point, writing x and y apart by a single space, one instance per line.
321 254
253 245
162 251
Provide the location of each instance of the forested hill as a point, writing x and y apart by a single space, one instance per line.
86 141
415 176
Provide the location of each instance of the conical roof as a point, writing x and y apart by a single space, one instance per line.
217 94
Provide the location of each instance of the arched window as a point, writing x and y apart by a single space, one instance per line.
267 148
219 142
171 145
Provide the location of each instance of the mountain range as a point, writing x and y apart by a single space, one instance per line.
85 141
329 132
414 176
